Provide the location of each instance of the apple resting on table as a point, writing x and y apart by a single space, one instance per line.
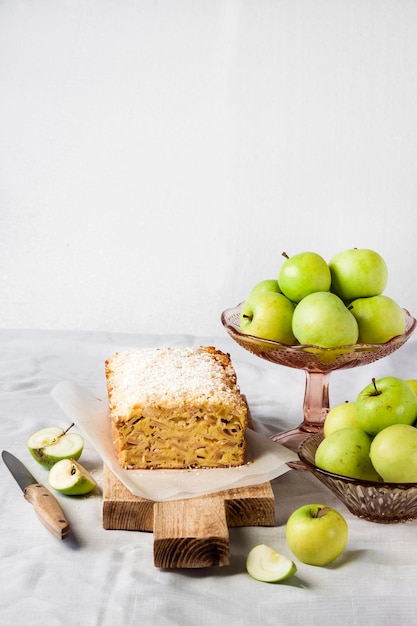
316 534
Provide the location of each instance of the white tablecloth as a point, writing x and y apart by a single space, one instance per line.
107 578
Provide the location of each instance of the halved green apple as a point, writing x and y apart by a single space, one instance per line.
265 564
71 478
51 444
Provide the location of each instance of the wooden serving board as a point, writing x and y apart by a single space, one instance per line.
191 532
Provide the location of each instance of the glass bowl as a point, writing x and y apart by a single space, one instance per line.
318 363
385 503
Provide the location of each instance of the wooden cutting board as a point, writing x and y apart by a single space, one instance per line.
192 532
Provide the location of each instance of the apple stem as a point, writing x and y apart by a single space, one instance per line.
321 511
377 391
69 428
284 254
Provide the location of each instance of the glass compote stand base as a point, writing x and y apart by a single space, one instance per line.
318 363
315 408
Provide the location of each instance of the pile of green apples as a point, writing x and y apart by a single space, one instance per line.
332 304
375 436
58 451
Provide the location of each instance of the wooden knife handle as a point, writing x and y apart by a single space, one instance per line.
48 510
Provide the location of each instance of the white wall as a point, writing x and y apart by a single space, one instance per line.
157 157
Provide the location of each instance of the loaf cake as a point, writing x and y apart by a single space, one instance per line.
176 407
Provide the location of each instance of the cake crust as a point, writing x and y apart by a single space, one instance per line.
176 408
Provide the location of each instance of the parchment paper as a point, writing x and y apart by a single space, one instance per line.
265 458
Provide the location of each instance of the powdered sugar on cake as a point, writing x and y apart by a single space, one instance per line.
164 376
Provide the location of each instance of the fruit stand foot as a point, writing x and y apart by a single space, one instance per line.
292 438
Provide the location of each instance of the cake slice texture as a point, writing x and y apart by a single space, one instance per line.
176 407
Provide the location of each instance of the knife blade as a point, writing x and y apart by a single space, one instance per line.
45 504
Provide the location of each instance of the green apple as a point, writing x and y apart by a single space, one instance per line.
358 273
379 318
340 416
346 452
302 274
413 383
389 400
316 534
394 453
269 284
265 564
51 444
69 477
322 319
268 315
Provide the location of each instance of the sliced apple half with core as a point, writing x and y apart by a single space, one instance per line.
51 444
267 565
71 478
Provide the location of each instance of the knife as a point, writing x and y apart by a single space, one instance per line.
45 504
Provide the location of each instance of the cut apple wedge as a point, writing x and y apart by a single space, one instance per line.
70 478
265 564
51 444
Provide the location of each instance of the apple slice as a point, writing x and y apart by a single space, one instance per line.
70 478
265 564
51 444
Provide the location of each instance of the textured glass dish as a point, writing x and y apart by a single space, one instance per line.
318 363
385 503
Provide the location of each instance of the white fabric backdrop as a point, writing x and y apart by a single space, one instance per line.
157 157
